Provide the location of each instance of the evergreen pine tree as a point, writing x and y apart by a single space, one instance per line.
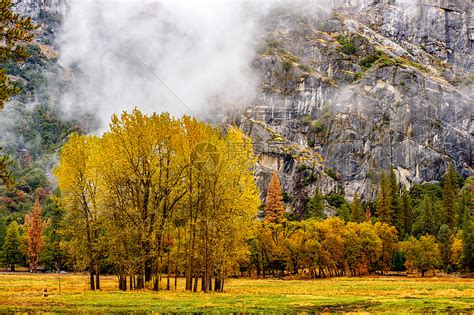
395 200
468 241
357 212
383 203
406 215
427 220
315 206
11 247
344 213
274 209
445 241
449 196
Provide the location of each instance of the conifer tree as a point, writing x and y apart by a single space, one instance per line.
368 215
406 215
449 196
383 203
11 247
274 208
445 241
35 228
468 240
315 206
357 212
395 200
344 213
16 31
427 220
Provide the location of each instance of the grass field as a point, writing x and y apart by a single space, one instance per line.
24 293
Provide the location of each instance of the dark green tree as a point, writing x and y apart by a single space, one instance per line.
383 202
15 32
344 213
449 196
468 240
357 212
11 247
406 215
395 207
445 241
427 221
315 205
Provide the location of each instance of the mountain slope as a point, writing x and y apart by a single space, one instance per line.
367 86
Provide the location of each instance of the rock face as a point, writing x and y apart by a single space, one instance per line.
349 92
48 14
350 88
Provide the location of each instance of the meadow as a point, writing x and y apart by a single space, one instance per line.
68 293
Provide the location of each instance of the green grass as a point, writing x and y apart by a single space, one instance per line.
24 293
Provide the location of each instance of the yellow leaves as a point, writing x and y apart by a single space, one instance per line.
149 170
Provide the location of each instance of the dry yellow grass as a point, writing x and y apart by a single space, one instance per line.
23 292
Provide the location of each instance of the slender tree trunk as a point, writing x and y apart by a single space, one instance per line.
97 277
91 279
195 288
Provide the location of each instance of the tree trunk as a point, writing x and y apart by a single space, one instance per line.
97 278
195 288
91 279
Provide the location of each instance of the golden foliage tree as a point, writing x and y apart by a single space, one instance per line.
166 194
274 207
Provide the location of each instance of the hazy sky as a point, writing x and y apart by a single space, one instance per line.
159 56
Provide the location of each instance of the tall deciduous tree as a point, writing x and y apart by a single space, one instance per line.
79 183
423 254
274 207
35 227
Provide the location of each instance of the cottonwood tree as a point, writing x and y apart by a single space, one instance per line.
78 181
168 194
424 254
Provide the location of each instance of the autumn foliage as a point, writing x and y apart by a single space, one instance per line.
156 196
274 207
35 228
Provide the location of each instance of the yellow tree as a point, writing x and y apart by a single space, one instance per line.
274 208
78 181
35 227
388 236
